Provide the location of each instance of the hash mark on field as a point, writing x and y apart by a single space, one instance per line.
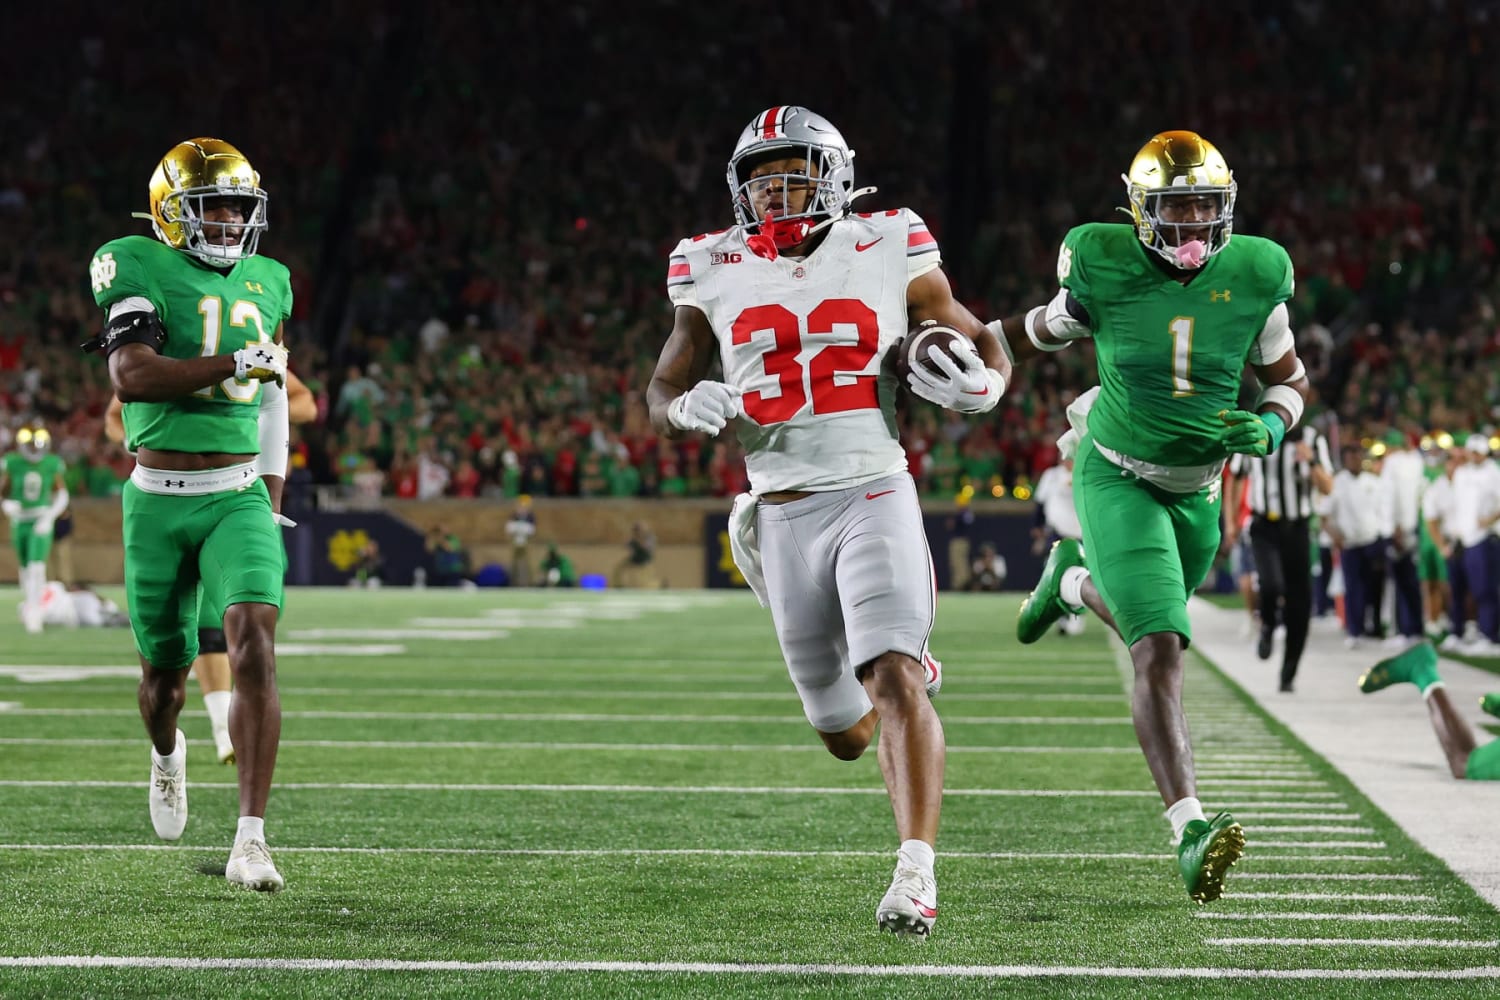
750 968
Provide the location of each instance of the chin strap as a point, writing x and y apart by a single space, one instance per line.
773 236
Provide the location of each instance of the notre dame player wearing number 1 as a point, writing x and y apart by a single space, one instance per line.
1176 309
193 336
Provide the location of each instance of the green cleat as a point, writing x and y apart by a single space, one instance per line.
1417 665
1207 851
1491 704
1044 605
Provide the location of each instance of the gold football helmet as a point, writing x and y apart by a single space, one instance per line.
199 177
33 440
1174 164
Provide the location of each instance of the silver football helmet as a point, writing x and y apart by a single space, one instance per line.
790 131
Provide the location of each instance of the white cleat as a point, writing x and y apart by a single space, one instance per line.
250 867
169 794
934 671
224 746
910 905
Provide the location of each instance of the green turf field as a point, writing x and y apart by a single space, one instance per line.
551 794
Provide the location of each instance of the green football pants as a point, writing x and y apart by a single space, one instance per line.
227 541
1147 549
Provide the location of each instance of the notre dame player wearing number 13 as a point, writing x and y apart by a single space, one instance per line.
802 301
192 335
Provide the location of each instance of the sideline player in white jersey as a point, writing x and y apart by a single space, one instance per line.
802 302
1057 517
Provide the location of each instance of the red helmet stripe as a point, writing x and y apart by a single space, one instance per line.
772 123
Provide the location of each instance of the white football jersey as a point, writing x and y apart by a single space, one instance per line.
807 339
1054 491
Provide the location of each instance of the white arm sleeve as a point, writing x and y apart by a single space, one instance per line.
59 503
1060 322
1275 337
131 304
275 431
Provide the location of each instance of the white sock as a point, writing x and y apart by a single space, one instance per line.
33 582
917 854
173 760
1181 813
1427 691
251 828
217 703
1071 588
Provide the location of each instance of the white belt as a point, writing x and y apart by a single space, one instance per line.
1172 478
171 482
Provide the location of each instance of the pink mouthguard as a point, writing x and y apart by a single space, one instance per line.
1191 253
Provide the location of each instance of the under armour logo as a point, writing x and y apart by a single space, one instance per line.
179 483
1223 296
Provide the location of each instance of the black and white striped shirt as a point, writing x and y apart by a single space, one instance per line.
1280 486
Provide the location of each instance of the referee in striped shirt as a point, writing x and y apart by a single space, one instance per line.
1281 489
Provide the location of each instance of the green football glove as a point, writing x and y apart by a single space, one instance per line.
1251 433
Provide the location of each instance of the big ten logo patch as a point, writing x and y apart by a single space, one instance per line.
345 546
725 257
726 562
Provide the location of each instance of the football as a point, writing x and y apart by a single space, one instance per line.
913 350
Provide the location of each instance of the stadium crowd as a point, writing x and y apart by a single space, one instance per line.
479 261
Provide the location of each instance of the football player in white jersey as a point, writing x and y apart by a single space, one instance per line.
802 302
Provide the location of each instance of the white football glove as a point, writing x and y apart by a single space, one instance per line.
42 525
968 387
263 362
706 407
11 508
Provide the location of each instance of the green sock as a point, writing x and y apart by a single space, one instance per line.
1417 665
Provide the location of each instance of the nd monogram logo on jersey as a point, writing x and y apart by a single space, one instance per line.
102 271
725 257
1217 296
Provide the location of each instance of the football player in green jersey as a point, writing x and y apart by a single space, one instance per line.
1176 309
215 679
31 481
1466 756
193 336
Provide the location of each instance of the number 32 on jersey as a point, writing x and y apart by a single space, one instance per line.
781 361
243 314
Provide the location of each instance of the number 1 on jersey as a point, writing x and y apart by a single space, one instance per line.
1182 361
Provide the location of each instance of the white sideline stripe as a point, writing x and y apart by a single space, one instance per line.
1316 829
1255 782
1243 814
605 852
948 720
1365 897
396 634
1366 845
1413 918
1320 877
538 745
1092 793
748 968
1233 942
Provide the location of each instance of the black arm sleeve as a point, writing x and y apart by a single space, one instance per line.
1078 312
129 328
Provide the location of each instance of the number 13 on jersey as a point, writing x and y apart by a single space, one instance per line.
243 314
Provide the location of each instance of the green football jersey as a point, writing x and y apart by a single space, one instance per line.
1170 355
205 311
29 481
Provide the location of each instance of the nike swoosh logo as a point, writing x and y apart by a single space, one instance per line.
927 911
862 247
984 392
876 496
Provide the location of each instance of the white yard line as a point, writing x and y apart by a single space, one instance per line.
1307 897
603 852
753 968
809 747
1345 944
1359 918
1322 877
949 720
368 786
